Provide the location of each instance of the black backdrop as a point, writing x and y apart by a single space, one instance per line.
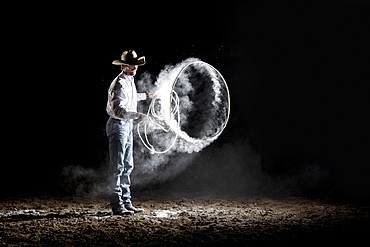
297 73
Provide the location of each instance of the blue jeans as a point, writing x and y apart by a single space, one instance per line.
121 163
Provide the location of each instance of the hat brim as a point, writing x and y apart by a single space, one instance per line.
140 61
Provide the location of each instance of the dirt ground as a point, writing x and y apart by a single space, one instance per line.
182 219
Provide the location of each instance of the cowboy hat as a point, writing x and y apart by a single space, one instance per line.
129 58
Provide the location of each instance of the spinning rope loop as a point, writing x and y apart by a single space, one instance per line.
174 112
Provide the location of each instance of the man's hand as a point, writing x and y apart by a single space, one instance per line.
150 95
142 117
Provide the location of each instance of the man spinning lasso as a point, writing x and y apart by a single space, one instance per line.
122 109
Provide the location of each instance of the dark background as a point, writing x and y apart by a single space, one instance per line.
297 73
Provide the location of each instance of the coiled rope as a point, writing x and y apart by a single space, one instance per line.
174 112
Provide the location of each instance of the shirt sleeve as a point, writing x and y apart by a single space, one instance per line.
119 110
141 96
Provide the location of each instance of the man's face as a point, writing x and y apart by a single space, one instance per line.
130 70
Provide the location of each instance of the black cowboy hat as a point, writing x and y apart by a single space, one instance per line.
129 58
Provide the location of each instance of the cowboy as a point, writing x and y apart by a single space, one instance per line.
122 109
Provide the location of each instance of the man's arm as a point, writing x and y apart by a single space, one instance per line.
120 111
144 96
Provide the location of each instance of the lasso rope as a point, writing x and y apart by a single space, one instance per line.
174 112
